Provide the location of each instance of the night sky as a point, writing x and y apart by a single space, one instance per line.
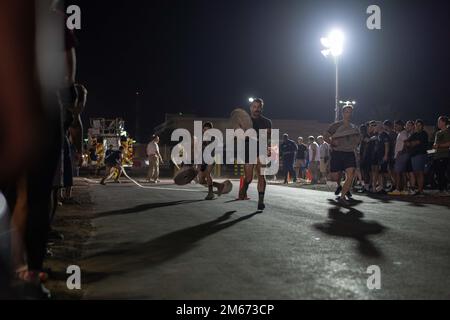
209 56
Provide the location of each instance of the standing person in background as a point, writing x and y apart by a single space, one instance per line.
288 150
324 151
154 159
409 127
417 146
441 157
314 159
389 128
401 159
364 159
383 148
300 159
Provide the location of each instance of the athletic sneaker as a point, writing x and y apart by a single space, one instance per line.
395 193
261 206
210 196
349 195
342 201
362 190
242 195
390 189
338 190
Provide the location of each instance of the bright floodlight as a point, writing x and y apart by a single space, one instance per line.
251 100
347 103
326 52
334 43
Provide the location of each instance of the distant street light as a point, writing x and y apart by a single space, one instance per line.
347 103
334 46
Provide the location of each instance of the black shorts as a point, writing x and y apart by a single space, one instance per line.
247 153
340 161
409 167
384 167
391 164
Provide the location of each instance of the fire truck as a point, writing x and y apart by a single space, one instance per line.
102 134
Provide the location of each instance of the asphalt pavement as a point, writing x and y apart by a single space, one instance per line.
166 242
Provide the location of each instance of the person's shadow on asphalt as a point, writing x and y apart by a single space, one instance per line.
351 225
168 246
145 207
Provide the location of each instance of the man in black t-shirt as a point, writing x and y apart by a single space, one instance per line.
389 128
417 146
259 122
288 149
378 147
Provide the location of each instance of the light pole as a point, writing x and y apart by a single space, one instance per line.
136 127
334 47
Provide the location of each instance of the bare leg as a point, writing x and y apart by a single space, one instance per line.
248 177
350 173
205 179
412 180
374 178
420 181
18 226
261 187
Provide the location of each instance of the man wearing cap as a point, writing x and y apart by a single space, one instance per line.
343 137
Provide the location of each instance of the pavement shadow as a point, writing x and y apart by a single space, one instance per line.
419 202
350 225
168 246
145 207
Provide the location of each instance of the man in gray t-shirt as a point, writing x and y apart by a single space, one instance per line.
343 137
